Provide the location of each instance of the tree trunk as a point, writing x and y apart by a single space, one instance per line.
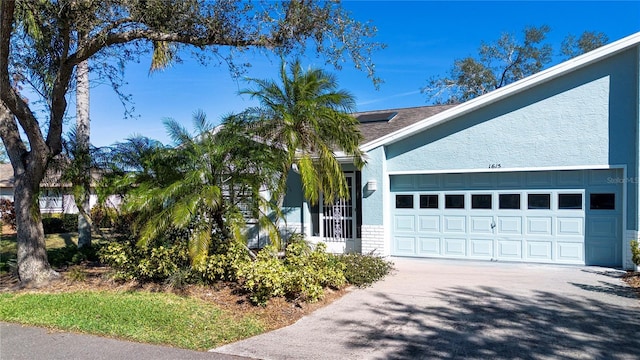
83 155
33 266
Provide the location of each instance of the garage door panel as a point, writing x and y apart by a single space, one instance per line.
481 248
511 249
454 224
481 225
405 245
429 223
570 226
570 251
404 223
510 225
539 250
455 247
541 225
429 246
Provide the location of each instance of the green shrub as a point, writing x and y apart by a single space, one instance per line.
56 224
151 263
302 274
635 252
223 262
104 216
52 225
71 255
364 270
264 277
70 222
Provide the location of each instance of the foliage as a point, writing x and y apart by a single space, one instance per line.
503 62
364 270
8 213
56 224
72 255
301 275
223 262
161 260
635 252
157 318
589 40
201 185
309 117
104 216
151 262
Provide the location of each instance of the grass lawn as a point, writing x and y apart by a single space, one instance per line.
86 300
156 318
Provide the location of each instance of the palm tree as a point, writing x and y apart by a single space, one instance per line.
206 179
309 117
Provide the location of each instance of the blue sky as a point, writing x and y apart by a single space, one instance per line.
423 39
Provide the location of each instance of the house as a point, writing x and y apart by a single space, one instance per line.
543 170
55 198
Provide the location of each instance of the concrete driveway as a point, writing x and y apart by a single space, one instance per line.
434 309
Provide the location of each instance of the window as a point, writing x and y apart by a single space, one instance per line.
404 201
569 201
602 201
454 201
428 201
509 201
481 201
539 201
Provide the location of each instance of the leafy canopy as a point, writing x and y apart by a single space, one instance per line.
503 62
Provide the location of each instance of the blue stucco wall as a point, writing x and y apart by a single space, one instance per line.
588 117
372 202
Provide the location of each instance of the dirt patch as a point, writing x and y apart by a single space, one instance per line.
633 279
278 312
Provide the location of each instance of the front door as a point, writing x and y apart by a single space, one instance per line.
338 221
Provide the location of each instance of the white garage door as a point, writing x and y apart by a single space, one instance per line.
571 217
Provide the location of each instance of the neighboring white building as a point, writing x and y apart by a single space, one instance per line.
53 197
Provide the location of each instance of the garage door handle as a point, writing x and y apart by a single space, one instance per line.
493 225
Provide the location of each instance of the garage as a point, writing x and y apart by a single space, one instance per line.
564 217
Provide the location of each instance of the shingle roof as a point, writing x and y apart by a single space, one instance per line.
405 117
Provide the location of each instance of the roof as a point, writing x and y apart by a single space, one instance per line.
50 180
373 130
599 54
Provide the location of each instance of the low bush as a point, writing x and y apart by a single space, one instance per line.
71 255
302 275
57 224
635 252
363 270
146 263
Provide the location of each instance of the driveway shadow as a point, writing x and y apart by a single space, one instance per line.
488 323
